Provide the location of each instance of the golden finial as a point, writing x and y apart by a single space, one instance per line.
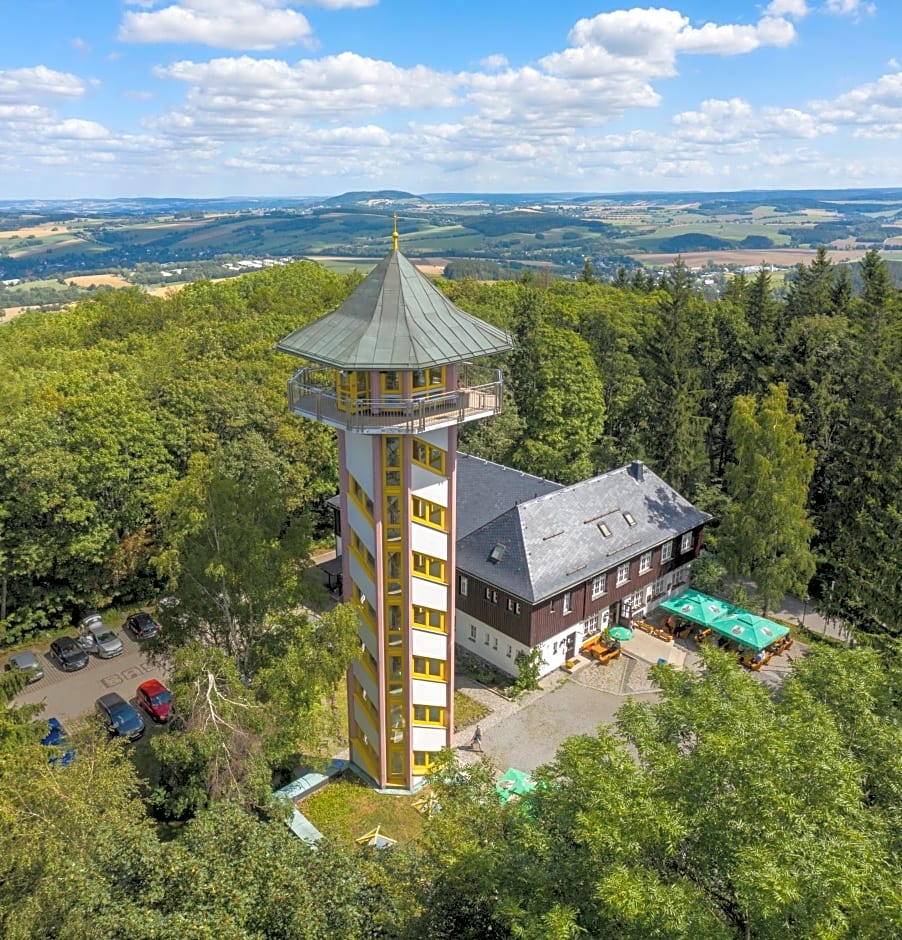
394 234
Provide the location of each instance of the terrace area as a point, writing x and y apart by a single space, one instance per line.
314 393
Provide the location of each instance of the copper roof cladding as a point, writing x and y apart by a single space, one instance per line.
396 319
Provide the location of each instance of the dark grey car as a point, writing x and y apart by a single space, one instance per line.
68 654
120 718
28 663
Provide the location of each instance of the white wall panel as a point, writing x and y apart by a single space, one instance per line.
428 593
360 459
361 578
363 677
435 492
425 692
428 643
428 739
431 541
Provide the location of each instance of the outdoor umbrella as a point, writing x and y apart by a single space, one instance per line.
698 607
750 629
620 633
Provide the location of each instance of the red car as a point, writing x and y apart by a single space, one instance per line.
155 699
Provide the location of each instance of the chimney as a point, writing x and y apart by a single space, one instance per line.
637 471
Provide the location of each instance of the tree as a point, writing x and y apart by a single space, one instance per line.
562 407
676 426
719 812
235 553
766 534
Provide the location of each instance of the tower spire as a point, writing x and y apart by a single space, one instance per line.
394 234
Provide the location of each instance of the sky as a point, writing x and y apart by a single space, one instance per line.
207 98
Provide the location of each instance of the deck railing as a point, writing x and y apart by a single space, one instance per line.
312 394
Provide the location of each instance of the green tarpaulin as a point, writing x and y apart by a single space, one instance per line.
742 626
514 783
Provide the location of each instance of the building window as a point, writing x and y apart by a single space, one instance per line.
645 562
510 651
422 761
667 551
567 607
623 573
429 567
364 501
428 456
630 519
599 585
686 542
427 617
486 637
464 585
590 627
495 646
429 513
473 632
429 714
491 595
423 666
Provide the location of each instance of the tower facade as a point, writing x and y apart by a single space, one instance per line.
392 369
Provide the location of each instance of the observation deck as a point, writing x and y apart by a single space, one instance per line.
315 393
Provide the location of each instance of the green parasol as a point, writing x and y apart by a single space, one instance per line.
620 633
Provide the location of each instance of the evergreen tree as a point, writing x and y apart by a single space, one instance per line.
676 438
766 535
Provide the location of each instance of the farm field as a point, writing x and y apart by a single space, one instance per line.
780 257
100 280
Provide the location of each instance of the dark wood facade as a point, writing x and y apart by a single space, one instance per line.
531 625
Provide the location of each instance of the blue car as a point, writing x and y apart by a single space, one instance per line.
56 737
120 718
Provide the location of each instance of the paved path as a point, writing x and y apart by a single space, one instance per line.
527 733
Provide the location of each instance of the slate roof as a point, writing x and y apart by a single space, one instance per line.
485 490
395 319
550 543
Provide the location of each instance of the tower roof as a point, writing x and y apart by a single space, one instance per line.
395 319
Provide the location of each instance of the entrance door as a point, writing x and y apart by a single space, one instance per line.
571 646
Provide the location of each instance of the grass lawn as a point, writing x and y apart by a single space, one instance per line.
347 808
467 711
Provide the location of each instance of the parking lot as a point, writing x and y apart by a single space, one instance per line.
70 695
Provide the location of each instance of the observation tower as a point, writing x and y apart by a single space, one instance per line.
393 371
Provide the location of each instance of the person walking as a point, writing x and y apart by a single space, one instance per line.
476 742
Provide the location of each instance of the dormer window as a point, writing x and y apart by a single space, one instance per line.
497 553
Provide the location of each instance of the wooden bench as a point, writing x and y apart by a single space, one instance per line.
604 654
653 630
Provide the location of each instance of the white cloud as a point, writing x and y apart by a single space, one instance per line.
235 24
796 8
849 7
735 121
29 84
874 109
647 41
269 91
494 62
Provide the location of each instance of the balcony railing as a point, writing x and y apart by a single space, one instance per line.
312 394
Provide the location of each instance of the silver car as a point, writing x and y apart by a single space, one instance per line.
28 663
98 638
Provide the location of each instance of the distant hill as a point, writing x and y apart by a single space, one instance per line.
372 198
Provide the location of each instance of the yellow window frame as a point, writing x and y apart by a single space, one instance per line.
428 456
361 498
423 761
428 567
429 513
425 667
428 618
422 714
